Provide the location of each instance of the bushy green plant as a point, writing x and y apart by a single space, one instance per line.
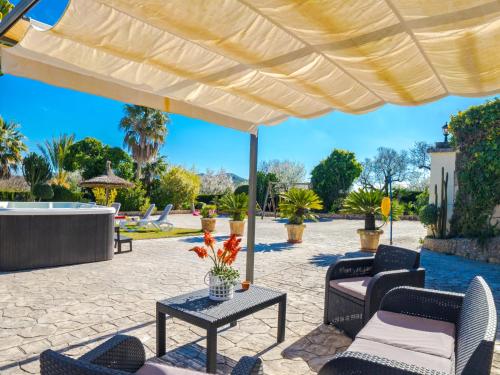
241 189
364 202
476 135
36 170
235 204
428 216
63 194
333 176
297 205
144 206
43 191
132 199
208 211
176 186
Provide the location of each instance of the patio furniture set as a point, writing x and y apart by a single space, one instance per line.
398 327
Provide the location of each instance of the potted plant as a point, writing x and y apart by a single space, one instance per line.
208 214
235 205
222 277
366 202
296 206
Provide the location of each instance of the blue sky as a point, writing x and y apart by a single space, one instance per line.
45 111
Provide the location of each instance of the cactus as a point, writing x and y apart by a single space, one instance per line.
443 206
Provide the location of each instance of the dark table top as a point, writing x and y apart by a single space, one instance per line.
198 306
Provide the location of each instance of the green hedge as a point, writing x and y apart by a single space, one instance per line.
476 135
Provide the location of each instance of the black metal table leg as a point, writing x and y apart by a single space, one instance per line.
212 350
160 333
282 319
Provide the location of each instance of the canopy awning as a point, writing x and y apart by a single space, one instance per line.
243 63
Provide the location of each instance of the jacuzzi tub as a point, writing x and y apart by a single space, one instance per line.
47 234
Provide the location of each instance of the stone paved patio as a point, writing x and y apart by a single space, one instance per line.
73 309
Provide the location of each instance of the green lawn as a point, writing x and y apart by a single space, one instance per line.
150 234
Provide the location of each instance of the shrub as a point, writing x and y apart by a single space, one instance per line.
132 199
428 216
333 176
364 202
208 198
241 189
100 196
36 170
43 191
63 194
208 211
476 136
176 186
144 207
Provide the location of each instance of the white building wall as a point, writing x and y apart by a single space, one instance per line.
443 158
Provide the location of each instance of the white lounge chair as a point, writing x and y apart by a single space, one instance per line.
161 222
147 216
116 206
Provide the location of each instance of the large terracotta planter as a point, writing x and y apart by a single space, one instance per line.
295 232
369 239
237 227
208 224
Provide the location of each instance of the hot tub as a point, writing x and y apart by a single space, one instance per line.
48 234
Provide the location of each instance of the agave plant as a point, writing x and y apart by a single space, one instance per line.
297 204
364 202
235 204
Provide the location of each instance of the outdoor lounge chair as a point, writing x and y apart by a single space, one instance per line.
161 221
125 355
355 286
116 206
423 331
146 218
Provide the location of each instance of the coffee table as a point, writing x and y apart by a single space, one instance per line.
197 309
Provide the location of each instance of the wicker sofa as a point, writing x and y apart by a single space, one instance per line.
354 287
422 331
125 355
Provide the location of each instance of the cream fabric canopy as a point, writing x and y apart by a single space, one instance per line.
243 63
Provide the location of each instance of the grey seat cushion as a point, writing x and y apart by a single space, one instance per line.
394 353
153 368
354 286
411 333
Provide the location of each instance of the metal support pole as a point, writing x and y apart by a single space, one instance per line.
390 198
15 15
252 202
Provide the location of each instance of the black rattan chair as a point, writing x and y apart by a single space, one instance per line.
355 286
120 355
473 319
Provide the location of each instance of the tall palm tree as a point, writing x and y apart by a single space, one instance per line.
145 132
56 150
11 147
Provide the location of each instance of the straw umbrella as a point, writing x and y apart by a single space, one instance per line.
107 181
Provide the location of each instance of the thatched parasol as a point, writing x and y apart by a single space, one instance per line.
107 181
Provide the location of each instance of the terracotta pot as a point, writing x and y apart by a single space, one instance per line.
237 227
369 239
295 232
208 224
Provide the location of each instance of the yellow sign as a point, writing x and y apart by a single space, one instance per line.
385 206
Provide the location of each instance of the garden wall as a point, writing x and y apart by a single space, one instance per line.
467 248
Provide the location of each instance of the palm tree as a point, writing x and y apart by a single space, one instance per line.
145 132
56 150
11 147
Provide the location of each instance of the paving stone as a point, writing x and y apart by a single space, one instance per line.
76 308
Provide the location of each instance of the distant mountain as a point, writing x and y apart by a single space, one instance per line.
237 180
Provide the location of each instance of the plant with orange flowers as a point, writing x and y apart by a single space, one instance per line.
223 258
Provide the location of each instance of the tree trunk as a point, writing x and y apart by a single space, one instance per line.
370 222
138 171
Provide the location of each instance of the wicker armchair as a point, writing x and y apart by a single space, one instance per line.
473 319
354 287
121 355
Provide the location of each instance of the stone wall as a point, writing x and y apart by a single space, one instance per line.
467 248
